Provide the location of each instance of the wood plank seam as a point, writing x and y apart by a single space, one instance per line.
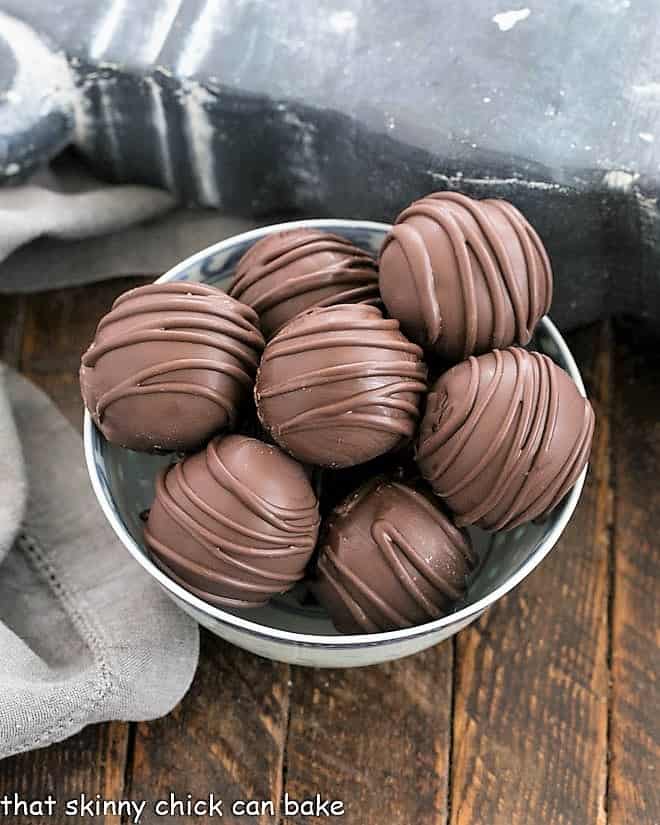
284 768
607 401
127 789
451 733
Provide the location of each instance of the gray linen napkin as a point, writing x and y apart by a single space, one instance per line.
82 231
85 634
71 215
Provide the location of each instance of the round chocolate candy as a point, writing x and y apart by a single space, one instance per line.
504 437
288 272
390 558
235 523
464 276
170 365
340 385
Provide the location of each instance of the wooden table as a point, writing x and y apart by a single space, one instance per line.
545 711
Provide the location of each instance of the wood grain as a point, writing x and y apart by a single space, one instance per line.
44 335
226 737
530 720
12 322
528 741
376 738
90 763
635 726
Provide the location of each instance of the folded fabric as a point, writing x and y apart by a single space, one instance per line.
75 207
85 634
81 230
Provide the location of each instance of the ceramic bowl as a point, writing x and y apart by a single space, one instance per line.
288 629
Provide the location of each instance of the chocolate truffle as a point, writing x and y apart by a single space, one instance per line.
504 437
464 276
390 558
170 365
235 523
340 385
288 272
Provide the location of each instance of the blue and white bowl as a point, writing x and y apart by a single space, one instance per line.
287 630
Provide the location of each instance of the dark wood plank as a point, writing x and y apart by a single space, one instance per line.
226 737
12 322
635 727
530 720
90 763
58 327
376 738
44 335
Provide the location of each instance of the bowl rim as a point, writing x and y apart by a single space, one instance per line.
351 641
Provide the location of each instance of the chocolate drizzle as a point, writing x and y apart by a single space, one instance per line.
465 276
504 437
340 385
161 342
391 559
288 272
235 523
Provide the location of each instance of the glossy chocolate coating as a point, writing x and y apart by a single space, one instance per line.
390 558
288 272
464 276
340 385
235 523
504 437
170 365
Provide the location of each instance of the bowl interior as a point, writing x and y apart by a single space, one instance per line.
124 480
